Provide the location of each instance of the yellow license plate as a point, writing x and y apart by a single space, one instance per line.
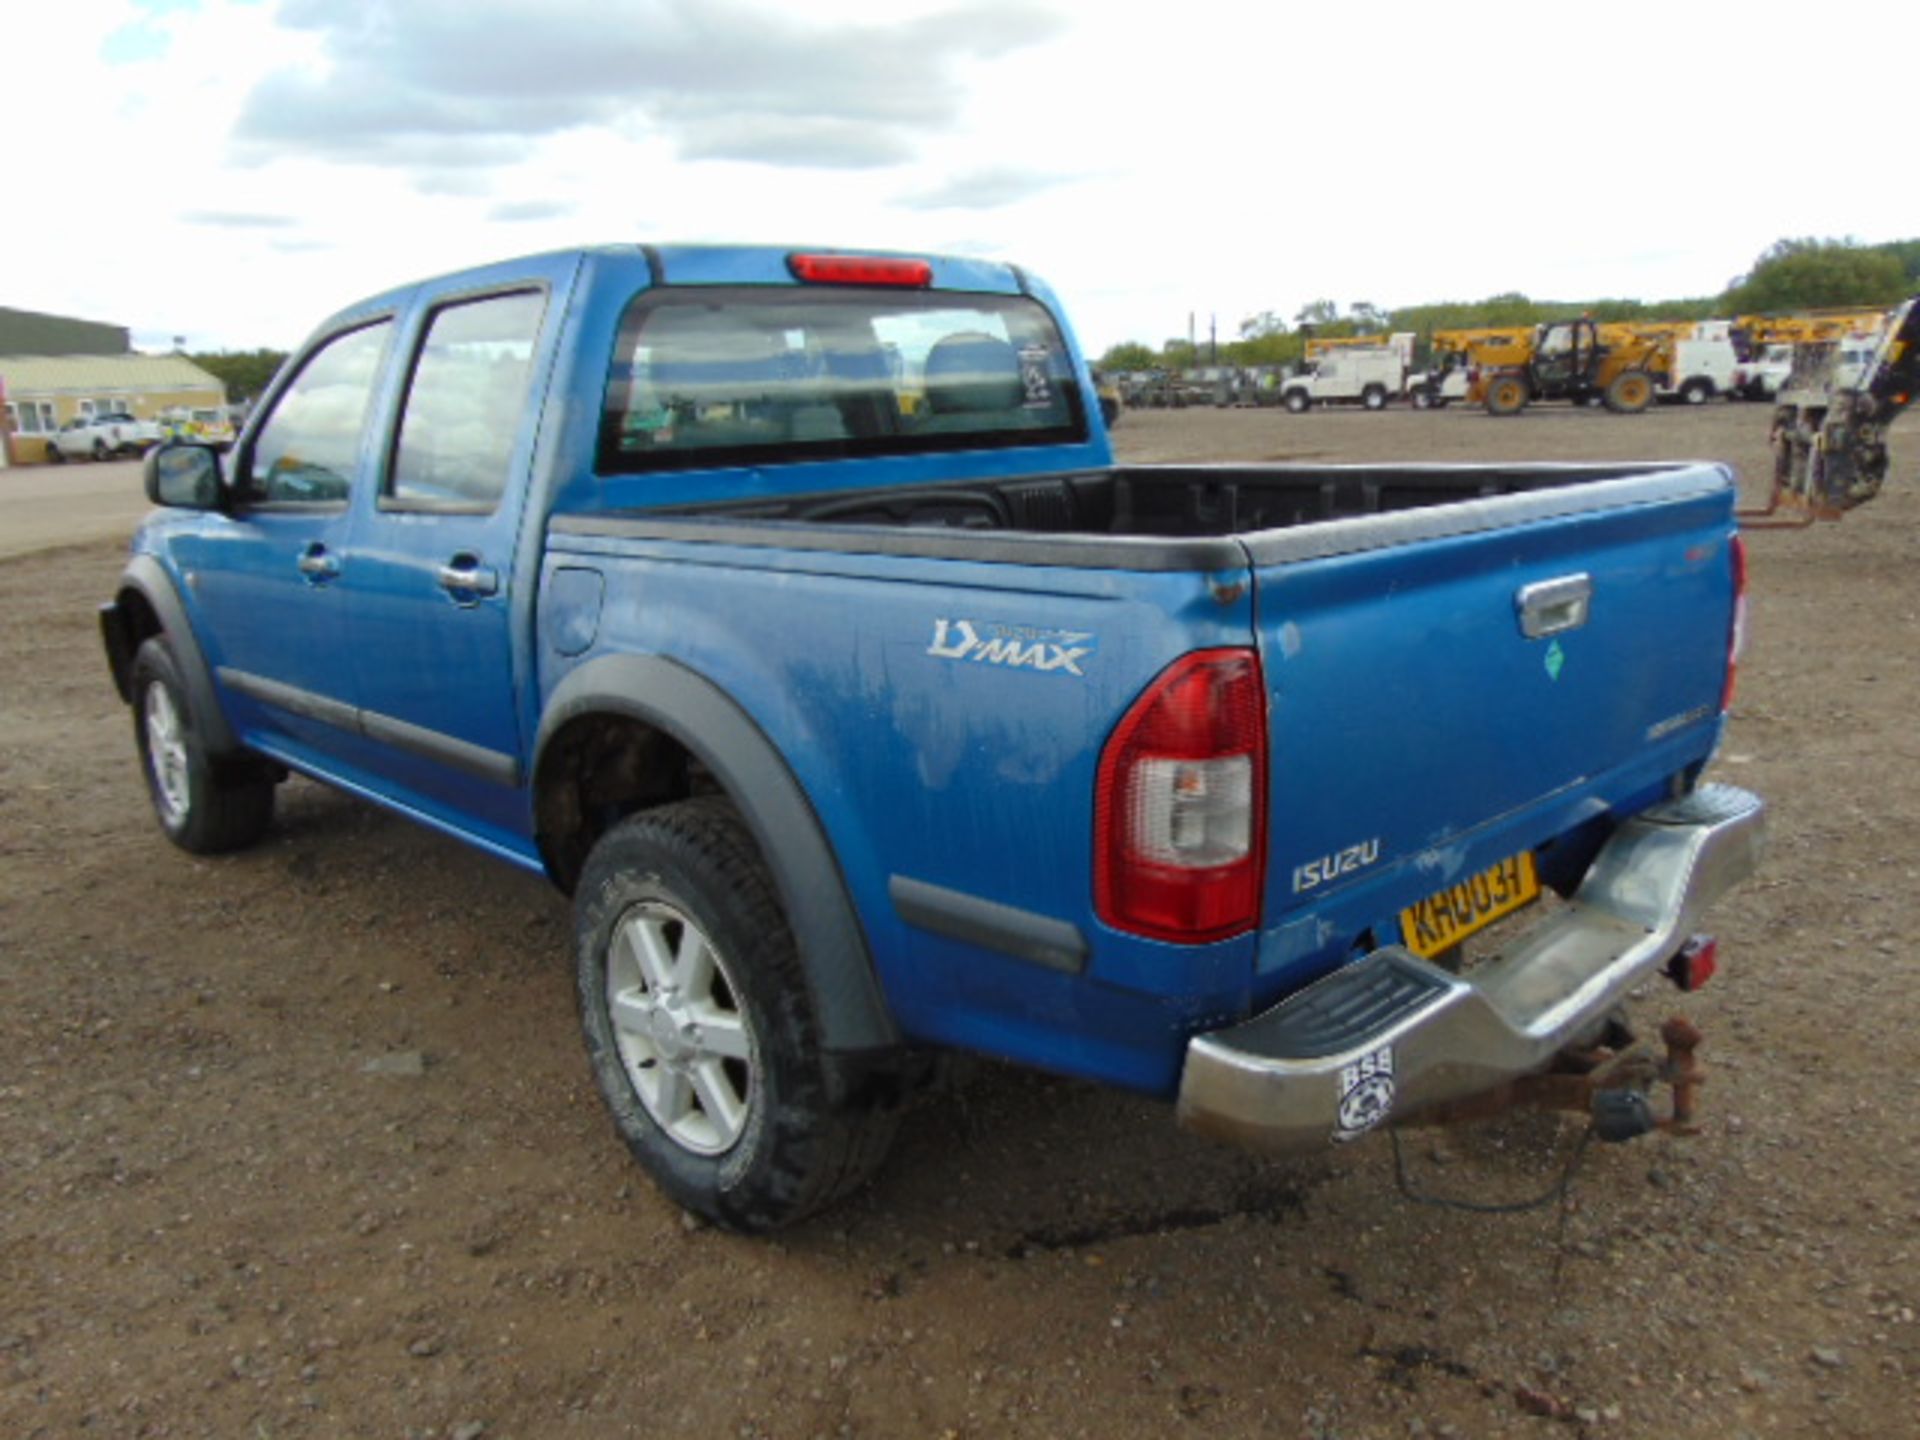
1442 921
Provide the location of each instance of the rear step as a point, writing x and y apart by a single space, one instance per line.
1391 1033
1338 1016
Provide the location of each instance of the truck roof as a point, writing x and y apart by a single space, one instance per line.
720 264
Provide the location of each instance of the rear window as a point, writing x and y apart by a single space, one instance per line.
717 377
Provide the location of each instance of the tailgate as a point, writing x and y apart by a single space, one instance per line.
1409 706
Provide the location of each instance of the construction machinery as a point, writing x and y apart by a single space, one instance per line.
1568 360
1768 343
1806 327
1829 432
1452 355
1698 357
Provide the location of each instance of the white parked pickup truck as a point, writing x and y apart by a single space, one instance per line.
101 437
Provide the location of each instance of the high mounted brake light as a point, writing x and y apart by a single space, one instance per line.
1180 804
861 270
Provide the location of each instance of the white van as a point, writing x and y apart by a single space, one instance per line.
1370 375
1705 364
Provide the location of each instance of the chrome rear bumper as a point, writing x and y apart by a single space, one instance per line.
1392 1033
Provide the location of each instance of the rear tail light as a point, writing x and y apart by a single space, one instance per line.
1737 638
861 270
1180 803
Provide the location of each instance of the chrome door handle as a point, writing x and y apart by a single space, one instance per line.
1553 607
317 565
463 579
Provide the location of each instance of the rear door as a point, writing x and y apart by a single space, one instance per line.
1433 673
436 593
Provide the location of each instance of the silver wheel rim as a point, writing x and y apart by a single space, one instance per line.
683 1041
167 754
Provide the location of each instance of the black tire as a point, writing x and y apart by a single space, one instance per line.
1296 401
204 805
805 1131
1421 398
1697 391
1506 395
1629 393
55 455
1374 398
100 450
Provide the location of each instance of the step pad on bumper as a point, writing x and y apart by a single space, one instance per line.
1341 1011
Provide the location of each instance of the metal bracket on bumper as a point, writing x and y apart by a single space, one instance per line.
1391 1034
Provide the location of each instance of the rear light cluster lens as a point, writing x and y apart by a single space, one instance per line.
1180 804
861 270
1737 638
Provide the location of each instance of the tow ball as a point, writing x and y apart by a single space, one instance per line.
1621 1102
1612 1080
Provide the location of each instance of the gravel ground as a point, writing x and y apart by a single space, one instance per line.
301 1142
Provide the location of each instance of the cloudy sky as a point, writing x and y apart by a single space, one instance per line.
230 170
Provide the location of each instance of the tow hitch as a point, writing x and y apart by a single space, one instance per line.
1613 1079
1613 1082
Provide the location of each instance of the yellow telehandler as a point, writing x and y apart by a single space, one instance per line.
1569 360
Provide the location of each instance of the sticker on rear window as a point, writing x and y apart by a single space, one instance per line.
1034 378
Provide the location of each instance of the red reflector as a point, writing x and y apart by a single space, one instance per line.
1696 963
860 270
1180 804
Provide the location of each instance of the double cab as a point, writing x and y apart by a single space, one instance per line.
789 611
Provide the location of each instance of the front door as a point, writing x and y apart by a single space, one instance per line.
270 575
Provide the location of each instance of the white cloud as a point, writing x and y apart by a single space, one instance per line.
259 164
481 81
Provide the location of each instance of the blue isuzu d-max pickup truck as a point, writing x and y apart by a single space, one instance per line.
789 610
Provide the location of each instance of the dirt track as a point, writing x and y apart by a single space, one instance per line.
218 1223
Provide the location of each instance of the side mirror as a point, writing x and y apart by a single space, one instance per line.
184 475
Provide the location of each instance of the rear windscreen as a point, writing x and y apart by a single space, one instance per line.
718 377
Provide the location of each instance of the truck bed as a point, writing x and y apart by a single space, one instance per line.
1193 503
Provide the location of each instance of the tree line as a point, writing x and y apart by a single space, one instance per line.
1790 275
245 373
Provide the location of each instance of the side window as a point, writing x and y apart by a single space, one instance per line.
465 403
307 451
